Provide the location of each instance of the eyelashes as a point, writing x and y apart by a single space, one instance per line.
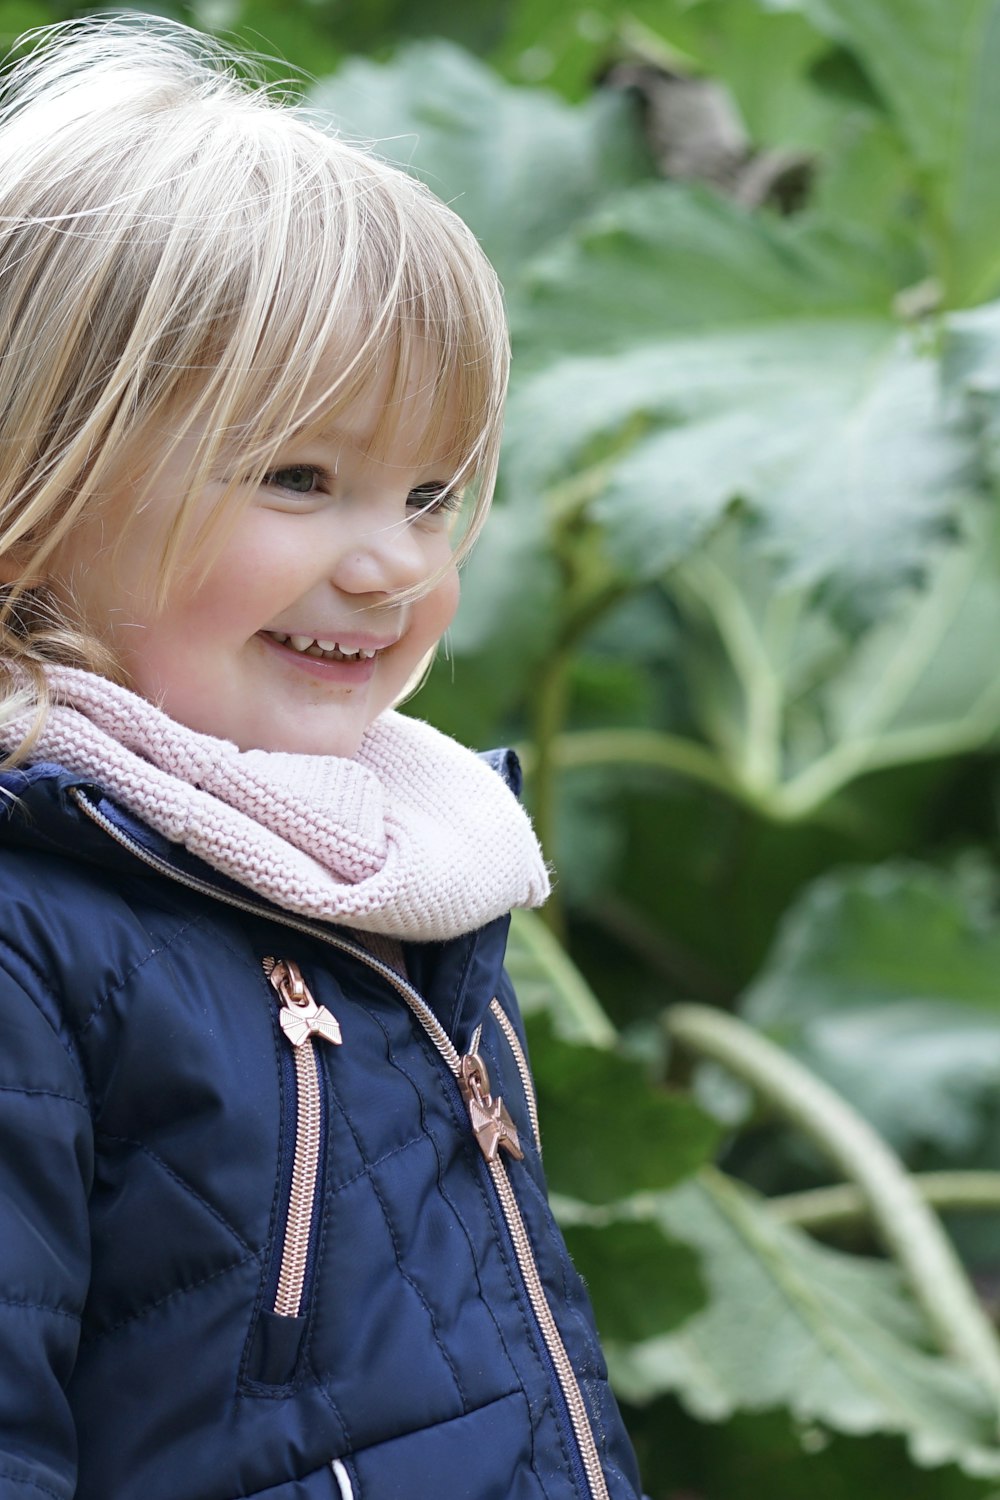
434 497
311 479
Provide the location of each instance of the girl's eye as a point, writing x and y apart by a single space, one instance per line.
434 497
297 479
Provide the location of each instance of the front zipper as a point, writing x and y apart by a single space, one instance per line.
304 1023
562 1366
527 1082
495 1132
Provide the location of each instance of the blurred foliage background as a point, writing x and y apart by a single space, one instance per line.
739 606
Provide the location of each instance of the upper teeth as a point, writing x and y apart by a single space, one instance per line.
310 643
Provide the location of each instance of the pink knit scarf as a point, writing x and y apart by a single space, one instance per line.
416 837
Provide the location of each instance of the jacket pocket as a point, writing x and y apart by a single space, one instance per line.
306 1028
321 1484
488 1454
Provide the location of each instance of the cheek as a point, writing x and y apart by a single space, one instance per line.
446 597
228 602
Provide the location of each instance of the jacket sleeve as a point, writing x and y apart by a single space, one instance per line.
46 1166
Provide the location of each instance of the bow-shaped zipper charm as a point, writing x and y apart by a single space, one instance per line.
300 1016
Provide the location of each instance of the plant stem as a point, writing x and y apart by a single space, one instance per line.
580 1012
759 753
803 794
825 1208
659 751
908 1227
675 755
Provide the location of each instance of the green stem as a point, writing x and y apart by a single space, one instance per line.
805 795
646 747
799 797
760 750
908 1227
826 1208
580 1011
672 755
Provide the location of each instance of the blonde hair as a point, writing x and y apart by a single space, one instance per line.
178 245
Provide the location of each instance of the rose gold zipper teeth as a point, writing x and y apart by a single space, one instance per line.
523 1251
303 1023
302 1198
553 1339
527 1082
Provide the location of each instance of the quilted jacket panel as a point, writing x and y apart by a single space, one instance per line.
148 1110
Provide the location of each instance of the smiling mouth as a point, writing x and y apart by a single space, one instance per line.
305 645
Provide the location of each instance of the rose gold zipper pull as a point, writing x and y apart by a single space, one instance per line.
491 1123
300 1016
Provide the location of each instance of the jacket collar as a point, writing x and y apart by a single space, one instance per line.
39 809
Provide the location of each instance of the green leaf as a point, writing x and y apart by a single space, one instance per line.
895 965
660 260
640 1282
936 64
866 177
766 55
507 615
19 16
519 165
832 431
763 54
831 1338
298 31
917 686
766 1454
316 34
606 1130
800 709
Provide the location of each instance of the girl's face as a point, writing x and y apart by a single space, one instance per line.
295 639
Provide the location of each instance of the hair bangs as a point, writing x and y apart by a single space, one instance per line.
355 279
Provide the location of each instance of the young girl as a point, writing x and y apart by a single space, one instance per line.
272 1216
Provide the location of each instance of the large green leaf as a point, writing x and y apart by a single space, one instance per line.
756 1455
18 16
316 34
832 431
886 982
766 54
763 53
641 1283
830 1337
921 669
519 165
800 710
936 64
607 1130
919 685
659 260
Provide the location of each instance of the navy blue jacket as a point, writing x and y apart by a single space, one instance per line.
238 1258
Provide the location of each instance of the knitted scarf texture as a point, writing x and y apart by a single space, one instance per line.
416 837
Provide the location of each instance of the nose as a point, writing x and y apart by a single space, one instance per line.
382 558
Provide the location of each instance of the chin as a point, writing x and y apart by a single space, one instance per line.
344 746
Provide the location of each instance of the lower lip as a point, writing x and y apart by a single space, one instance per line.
350 673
